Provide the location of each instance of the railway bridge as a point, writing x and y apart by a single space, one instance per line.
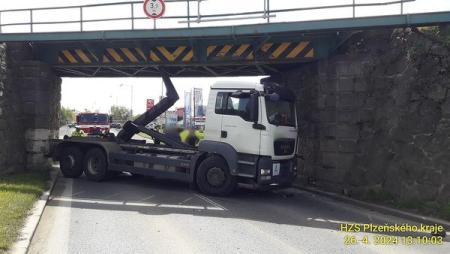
37 51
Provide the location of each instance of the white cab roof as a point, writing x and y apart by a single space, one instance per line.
242 85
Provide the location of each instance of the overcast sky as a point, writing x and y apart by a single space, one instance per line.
98 94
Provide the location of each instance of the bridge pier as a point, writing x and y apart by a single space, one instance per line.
375 118
29 105
330 99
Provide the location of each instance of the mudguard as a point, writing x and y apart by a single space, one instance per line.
223 149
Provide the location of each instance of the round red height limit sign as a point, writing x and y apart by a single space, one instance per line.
154 9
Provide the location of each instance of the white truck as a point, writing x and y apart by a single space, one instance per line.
250 139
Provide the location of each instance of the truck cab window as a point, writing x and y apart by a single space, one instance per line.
220 103
281 112
228 105
239 107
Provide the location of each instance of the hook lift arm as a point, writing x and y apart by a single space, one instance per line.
133 127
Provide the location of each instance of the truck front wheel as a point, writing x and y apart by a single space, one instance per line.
214 178
71 162
95 165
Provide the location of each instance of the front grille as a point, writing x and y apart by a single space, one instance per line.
284 146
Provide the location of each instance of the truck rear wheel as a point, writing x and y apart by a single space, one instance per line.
71 162
95 165
214 178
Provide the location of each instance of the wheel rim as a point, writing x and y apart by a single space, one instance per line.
93 165
215 177
69 161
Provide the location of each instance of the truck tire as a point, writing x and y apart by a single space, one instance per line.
71 162
214 178
95 165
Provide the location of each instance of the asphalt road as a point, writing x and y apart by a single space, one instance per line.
145 215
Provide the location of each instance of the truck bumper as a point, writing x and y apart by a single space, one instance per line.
272 173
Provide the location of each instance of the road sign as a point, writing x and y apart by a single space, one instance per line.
154 9
150 103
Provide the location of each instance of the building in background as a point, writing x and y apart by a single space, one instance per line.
201 111
171 119
199 122
180 114
165 120
193 113
198 102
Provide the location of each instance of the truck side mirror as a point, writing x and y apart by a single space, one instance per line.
110 119
78 119
254 106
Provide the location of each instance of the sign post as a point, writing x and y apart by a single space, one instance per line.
187 109
154 9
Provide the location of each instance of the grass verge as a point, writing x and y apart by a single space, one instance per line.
18 192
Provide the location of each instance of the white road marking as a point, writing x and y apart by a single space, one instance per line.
332 221
139 204
211 202
184 201
77 193
146 198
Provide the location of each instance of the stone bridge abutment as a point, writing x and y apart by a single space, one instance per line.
375 118
29 106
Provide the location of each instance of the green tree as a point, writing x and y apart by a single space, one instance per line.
120 113
66 116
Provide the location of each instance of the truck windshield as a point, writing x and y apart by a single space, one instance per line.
280 112
93 118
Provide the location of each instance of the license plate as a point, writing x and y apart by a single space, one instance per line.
276 169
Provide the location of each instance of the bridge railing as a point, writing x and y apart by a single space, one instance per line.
184 13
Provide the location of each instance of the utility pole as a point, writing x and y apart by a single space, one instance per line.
193 91
131 108
162 96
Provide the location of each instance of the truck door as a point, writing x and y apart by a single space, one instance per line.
237 129
213 124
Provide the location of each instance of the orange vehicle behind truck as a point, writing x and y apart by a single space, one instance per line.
93 123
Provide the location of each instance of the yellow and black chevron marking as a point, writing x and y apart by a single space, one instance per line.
183 54
229 51
127 55
172 54
287 50
272 51
76 56
123 55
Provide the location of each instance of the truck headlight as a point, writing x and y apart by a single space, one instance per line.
265 172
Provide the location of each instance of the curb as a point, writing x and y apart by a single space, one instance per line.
379 208
32 221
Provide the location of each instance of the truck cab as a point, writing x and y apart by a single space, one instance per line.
257 127
93 123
